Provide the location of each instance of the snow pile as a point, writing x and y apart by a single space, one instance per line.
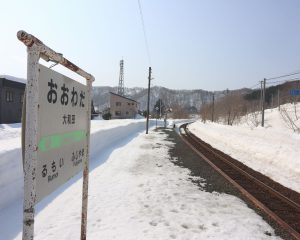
103 134
273 150
138 193
11 174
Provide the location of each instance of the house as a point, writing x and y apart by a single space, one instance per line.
122 107
11 99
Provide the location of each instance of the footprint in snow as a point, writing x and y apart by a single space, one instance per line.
152 223
185 226
173 236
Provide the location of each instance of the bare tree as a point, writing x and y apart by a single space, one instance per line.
253 119
290 121
179 112
230 108
206 112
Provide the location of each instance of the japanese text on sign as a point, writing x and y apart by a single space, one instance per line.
61 130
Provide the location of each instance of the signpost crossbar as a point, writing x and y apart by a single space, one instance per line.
50 55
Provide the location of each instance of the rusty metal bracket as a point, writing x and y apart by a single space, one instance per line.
50 55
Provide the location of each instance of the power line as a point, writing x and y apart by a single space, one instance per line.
285 80
144 31
257 84
293 79
286 75
274 82
278 82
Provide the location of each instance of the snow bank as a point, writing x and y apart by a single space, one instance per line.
103 134
11 174
273 150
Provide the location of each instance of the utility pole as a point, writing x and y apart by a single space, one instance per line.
261 95
149 79
278 100
159 108
156 117
263 103
228 106
213 108
272 100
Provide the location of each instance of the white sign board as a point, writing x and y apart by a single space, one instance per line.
62 130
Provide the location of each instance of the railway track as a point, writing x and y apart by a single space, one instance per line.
279 203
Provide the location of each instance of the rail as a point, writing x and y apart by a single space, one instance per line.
286 212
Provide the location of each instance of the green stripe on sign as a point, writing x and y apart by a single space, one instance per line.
59 140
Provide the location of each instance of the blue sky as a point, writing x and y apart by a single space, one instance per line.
193 44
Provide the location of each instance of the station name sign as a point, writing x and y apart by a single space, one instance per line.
62 130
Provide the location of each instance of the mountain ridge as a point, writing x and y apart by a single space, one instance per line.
170 97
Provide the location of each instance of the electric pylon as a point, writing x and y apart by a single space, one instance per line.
121 79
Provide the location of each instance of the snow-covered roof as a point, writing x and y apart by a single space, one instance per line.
122 96
15 79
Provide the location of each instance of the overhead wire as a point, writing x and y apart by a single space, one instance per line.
279 81
286 75
257 84
275 82
283 81
144 31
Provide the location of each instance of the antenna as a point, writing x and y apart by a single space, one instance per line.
121 79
